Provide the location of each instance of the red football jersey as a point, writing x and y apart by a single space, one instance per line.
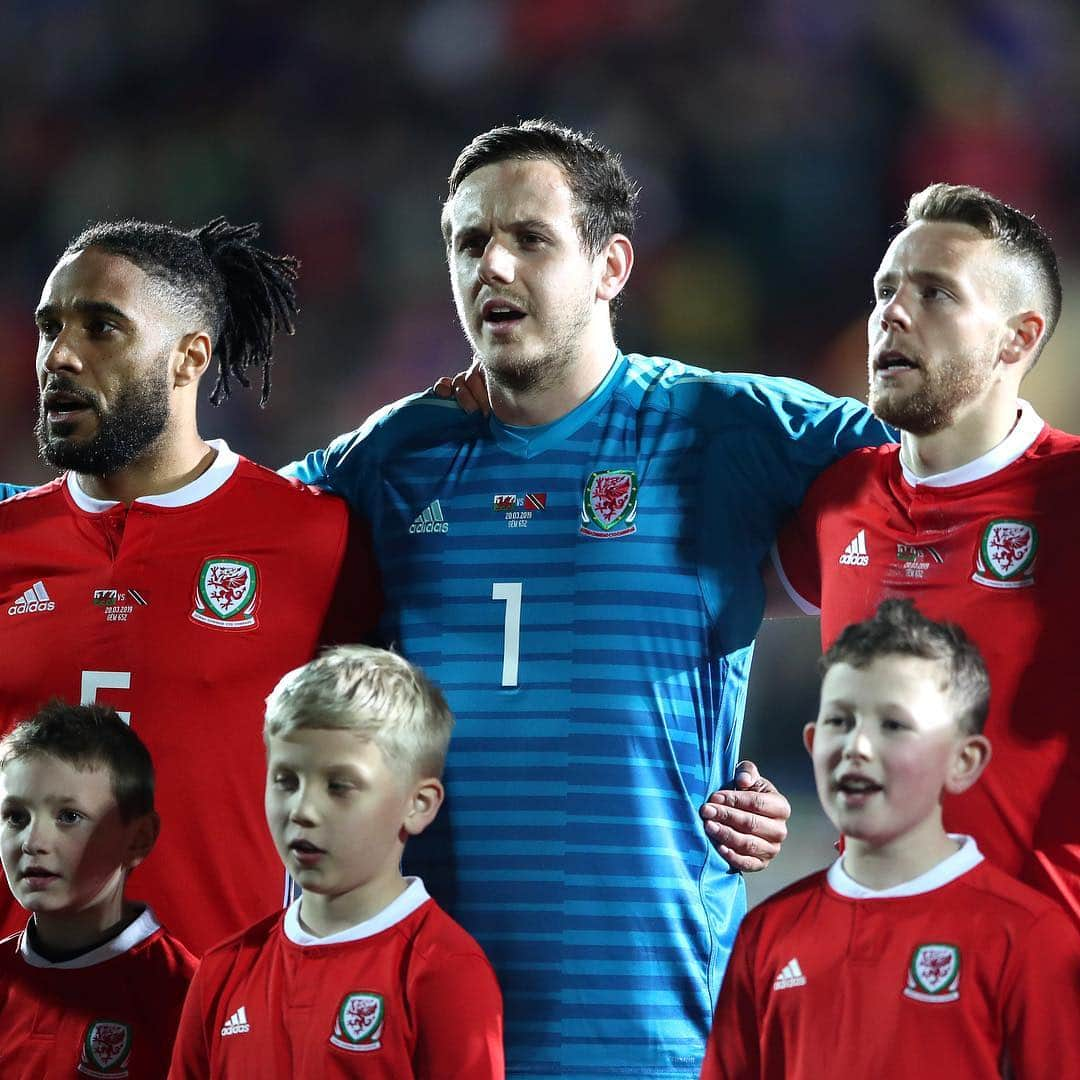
407 994
182 611
111 1012
950 975
993 547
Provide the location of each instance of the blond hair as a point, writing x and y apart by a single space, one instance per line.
374 693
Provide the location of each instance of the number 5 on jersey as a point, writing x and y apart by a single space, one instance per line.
510 592
93 681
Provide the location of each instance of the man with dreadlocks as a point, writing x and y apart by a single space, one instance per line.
151 576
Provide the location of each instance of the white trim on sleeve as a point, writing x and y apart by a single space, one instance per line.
796 598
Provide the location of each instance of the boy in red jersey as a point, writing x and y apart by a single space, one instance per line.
910 955
363 974
94 985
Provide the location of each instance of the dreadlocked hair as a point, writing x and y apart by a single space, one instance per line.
243 294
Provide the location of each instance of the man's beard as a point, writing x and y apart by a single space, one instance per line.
934 405
125 431
536 373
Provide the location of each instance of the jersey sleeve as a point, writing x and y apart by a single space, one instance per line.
459 1017
8 490
795 555
349 465
356 603
191 1050
772 438
1041 999
805 431
733 1050
313 468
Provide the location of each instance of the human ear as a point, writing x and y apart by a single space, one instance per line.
808 737
192 358
141 838
971 756
424 801
617 259
1025 332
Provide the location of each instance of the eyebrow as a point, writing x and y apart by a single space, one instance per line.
524 225
82 307
49 800
930 277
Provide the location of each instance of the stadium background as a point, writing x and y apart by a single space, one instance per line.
775 144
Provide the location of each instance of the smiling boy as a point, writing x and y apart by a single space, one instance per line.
93 985
363 974
910 955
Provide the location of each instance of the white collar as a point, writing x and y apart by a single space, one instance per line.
221 469
138 931
949 869
401 908
1025 431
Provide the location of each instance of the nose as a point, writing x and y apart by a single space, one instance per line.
857 745
303 809
893 313
35 837
58 355
496 264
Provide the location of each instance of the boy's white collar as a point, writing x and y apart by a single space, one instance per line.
956 865
414 895
132 935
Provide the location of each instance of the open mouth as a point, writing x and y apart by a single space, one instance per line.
893 361
37 876
305 847
857 785
62 405
501 313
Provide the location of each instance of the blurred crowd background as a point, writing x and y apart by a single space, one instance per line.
775 144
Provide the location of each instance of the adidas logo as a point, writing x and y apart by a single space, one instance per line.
237 1024
790 975
430 520
855 552
34 599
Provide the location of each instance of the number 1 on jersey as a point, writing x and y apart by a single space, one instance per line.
510 591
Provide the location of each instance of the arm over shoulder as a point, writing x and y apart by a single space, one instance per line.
351 465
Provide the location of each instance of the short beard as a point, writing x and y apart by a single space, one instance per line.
933 407
533 375
125 432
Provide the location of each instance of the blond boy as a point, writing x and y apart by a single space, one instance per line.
363 974
93 985
910 955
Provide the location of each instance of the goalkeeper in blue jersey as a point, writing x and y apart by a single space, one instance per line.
579 572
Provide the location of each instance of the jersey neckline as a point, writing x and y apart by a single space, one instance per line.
1026 430
527 442
221 470
956 865
414 896
133 934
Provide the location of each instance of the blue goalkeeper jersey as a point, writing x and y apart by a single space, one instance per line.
587 594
